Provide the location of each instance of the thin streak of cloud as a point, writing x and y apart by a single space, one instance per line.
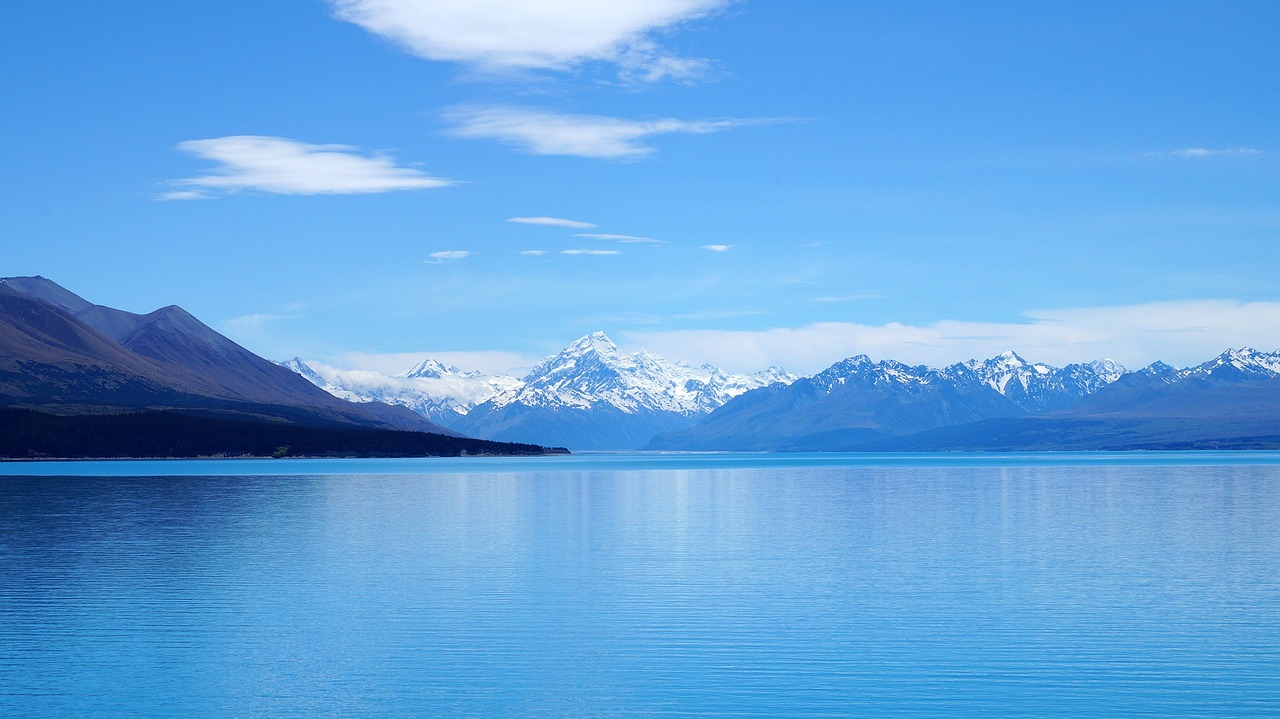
590 252
718 248
626 239
246 324
281 166
186 195
1193 152
552 222
541 132
534 253
447 256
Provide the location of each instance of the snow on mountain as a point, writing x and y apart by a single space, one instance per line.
592 371
857 401
1161 373
590 374
1233 365
1034 387
861 371
1038 387
429 388
432 369
1239 364
592 395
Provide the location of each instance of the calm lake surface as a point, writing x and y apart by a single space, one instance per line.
1076 585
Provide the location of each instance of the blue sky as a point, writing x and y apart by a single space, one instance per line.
367 182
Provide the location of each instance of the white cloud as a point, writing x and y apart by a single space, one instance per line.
185 195
260 330
628 239
541 132
288 167
499 36
552 222
718 248
534 253
447 256
589 252
1180 333
1206 152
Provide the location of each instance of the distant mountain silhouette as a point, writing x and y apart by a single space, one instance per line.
64 355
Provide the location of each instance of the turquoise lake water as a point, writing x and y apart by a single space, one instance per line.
1073 585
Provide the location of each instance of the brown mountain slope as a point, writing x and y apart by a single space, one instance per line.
60 352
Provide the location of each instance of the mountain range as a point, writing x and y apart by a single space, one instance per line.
436 391
856 401
80 379
63 355
1003 404
591 395
594 396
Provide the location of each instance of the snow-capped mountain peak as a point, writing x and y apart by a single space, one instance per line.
430 388
430 369
597 341
1107 370
1034 387
1006 367
861 371
590 373
297 365
593 371
1243 361
1038 387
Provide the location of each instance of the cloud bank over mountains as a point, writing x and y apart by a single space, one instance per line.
1134 335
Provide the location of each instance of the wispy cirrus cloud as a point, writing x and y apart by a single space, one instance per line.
552 222
1207 152
1178 332
447 256
590 252
282 166
542 132
261 328
248 324
626 239
718 248
533 253
501 36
